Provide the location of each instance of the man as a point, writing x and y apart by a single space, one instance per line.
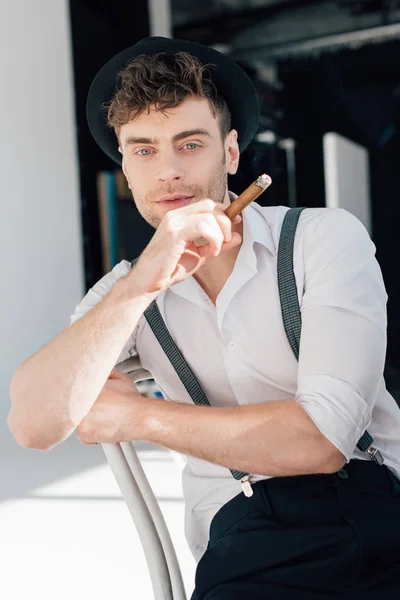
322 518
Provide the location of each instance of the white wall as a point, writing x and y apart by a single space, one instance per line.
346 170
160 17
41 261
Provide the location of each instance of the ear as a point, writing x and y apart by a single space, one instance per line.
232 152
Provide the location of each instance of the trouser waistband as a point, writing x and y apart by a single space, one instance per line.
355 473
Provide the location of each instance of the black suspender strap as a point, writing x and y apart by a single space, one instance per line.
291 316
184 372
157 324
290 308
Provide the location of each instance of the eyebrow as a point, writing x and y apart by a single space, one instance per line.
176 138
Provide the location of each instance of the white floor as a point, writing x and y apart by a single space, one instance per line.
66 533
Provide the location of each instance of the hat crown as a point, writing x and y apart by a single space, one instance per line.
230 80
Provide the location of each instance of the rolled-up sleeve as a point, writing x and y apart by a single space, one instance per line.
128 361
343 339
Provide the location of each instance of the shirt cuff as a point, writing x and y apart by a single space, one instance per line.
337 409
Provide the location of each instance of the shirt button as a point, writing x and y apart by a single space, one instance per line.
232 345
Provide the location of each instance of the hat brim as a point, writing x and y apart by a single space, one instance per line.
231 81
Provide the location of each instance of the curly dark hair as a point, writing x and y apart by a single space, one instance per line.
164 80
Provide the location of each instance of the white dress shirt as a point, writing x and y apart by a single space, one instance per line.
239 352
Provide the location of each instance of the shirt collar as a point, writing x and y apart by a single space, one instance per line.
255 227
255 230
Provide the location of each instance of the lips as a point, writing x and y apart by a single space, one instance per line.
174 197
175 201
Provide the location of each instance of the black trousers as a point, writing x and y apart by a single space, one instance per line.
305 537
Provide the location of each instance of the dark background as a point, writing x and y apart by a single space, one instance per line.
352 88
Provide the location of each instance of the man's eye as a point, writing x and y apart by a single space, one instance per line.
142 151
193 144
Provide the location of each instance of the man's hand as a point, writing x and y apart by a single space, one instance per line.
171 255
117 414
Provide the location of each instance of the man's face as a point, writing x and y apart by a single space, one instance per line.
179 154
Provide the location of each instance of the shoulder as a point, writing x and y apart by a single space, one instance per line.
326 220
310 218
334 234
318 227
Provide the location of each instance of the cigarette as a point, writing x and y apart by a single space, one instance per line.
251 193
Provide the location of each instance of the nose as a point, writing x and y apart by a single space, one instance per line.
170 170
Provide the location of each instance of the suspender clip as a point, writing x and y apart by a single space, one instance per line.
375 455
246 486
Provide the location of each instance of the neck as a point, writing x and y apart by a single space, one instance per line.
213 275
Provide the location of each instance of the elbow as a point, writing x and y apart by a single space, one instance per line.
331 459
26 437
28 441
338 461
33 444
321 454
30 428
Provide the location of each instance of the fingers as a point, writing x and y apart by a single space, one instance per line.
83 434
206 206
229 238
202 206
166 260
208 223
189 263
115 374
235 241
226 226
198 226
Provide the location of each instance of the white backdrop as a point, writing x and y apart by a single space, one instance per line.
347 185
41 262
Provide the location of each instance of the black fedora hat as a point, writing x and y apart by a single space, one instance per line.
231 82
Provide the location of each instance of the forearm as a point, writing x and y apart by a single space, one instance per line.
274 438
52 391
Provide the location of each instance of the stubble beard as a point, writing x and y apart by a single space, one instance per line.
215 190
